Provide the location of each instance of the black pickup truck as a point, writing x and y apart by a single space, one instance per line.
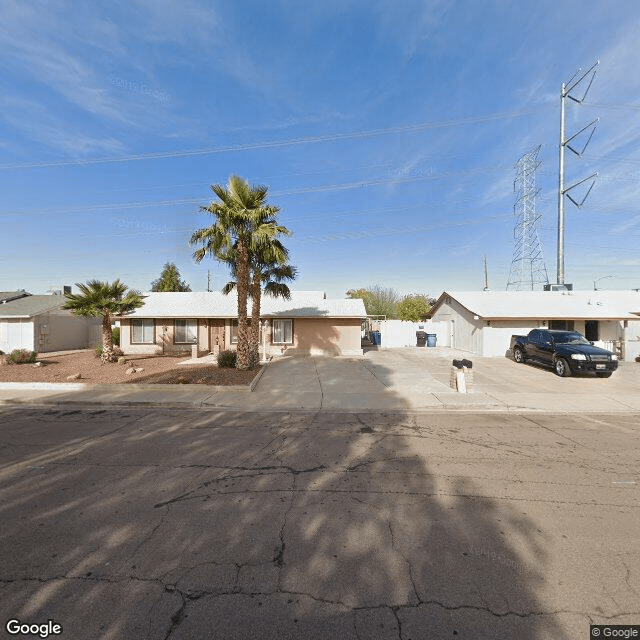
566 351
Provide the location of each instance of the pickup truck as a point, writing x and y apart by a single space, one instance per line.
566 351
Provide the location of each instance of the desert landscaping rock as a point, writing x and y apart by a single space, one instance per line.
130 370
73 377
147 369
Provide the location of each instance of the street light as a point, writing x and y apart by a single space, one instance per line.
597 279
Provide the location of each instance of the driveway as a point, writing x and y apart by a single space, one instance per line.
411 379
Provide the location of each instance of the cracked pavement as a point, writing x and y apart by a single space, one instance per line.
178 524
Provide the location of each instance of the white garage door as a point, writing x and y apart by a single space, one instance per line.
15 334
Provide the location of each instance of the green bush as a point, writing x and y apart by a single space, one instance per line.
22 356
116 351
115 334
227 359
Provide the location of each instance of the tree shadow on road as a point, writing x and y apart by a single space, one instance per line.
235 525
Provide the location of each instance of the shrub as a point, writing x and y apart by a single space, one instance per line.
115 334
22 356
116 351
227 359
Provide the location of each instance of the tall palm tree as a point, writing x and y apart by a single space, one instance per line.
267 274
244 223
106 300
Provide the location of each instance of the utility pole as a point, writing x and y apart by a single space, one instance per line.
566 92
208 280
486 276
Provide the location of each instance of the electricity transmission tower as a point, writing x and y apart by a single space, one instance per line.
527 266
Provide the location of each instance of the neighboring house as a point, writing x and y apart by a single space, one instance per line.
482 322
8 296
38 323
173 322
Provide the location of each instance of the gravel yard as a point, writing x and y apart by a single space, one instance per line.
155 369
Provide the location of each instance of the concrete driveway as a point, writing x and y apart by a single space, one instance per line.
418 380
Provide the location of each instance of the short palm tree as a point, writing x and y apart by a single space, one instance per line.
244 223
107 300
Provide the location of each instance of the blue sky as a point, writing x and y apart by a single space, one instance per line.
387 133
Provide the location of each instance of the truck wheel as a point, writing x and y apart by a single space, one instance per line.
562 368
606 374
518 355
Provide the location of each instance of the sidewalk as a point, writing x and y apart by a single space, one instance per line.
394 381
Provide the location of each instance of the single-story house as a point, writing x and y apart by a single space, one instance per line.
482 322
38 323
309 322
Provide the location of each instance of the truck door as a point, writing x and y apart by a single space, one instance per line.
531 344
546 347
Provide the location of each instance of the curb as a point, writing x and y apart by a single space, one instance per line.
254 382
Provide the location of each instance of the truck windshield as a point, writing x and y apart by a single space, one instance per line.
570 338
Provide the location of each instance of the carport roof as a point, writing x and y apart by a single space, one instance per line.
213 304
588 305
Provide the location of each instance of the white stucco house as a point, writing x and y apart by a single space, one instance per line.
309 322
38 323
482 322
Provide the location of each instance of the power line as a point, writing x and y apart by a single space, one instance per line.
143 204
335 137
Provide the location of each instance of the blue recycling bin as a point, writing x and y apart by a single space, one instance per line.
432 339
376 338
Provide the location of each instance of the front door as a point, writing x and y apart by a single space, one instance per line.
216 333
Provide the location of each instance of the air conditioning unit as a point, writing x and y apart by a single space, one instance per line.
558 287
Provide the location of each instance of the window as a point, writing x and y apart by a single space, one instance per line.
282 332
561 325
186 332
142 331
234 330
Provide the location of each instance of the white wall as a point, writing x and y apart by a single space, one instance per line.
400 333
16 334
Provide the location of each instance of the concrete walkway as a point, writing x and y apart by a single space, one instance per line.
398 380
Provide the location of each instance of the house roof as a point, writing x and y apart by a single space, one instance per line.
213 304
6 296
30 306
588 305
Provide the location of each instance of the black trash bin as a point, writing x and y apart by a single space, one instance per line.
421 338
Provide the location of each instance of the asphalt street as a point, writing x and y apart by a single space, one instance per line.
175 525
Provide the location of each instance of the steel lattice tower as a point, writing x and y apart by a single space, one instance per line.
527 266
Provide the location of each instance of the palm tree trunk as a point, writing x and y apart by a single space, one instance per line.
242 287
254 342
107 338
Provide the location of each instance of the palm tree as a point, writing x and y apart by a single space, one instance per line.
269 274
244 224
106 300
